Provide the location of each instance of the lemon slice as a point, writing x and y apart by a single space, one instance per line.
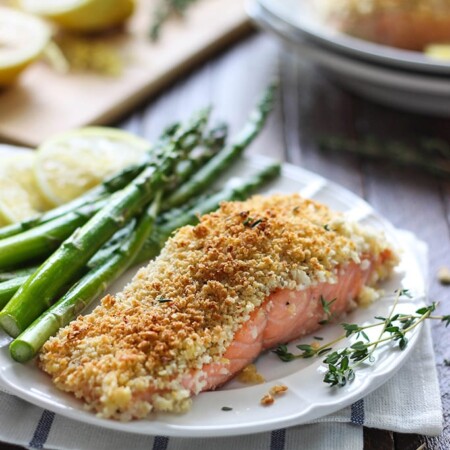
20 169
15 202
73 162
82 15
22 40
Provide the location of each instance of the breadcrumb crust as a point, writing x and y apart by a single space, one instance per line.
133 353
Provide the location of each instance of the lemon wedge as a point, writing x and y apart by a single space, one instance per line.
82 15
71 163
22 40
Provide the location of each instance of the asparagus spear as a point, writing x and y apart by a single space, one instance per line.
39 291
215 138
210 145
10 287
92 285
112 244
210 171
42 240
10 275
10 282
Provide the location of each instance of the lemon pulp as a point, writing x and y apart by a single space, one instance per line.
22 40
20 169
82 15
15 204
73 162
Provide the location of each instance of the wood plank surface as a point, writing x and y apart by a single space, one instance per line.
45 102
311 105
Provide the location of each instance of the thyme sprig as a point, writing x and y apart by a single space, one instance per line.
429 154
165 10
343 362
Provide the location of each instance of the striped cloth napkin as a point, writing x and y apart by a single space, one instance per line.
408 403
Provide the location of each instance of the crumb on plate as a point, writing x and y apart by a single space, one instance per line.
267 400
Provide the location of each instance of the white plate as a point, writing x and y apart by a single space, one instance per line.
307 398
302 20
423 93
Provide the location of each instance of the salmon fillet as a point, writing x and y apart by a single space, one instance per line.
248 277
410 25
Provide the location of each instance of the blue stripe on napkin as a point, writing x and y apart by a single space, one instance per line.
278 439
42 430
357 415
160 443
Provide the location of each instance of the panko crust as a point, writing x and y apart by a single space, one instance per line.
132 353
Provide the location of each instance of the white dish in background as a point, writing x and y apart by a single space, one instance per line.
410 91
308 397
300 16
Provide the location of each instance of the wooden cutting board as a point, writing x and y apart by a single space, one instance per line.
45 102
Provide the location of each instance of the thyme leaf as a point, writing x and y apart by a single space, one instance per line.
251 222
326 309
